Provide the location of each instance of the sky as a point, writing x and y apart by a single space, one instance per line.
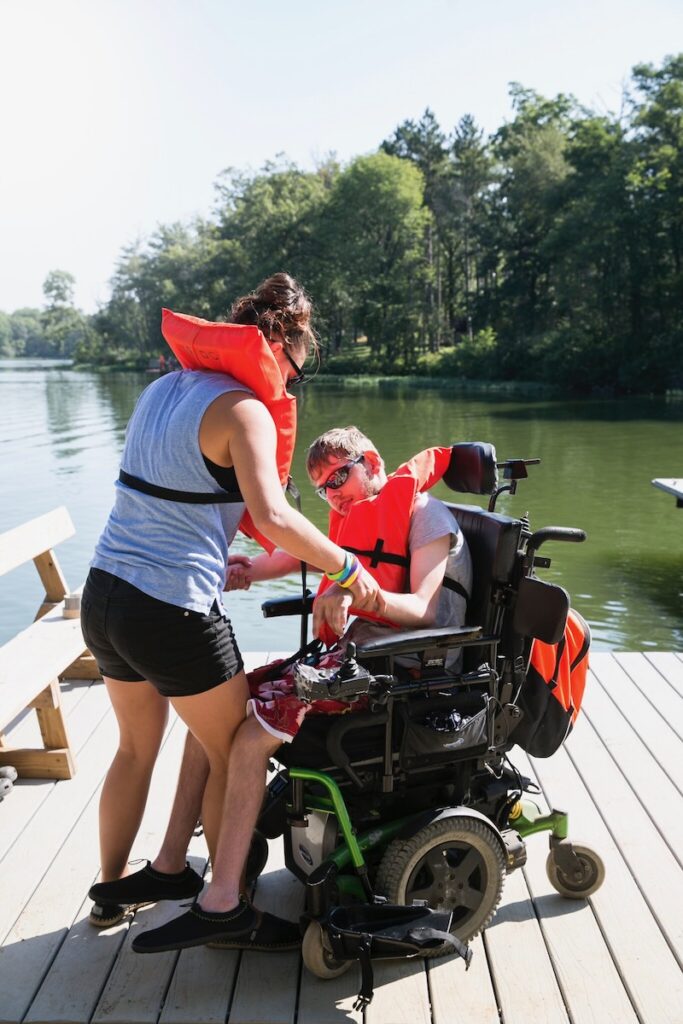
119 115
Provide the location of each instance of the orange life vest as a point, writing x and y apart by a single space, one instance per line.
376 529
243 353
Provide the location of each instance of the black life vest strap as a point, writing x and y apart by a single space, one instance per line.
185 497
378 554
456 587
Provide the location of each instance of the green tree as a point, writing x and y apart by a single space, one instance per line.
378 218
63 325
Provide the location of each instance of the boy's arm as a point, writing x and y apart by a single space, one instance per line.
427 569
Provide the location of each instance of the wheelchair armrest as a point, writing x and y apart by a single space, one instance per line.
418 640
293 604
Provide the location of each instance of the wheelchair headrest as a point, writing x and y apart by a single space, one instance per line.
472 469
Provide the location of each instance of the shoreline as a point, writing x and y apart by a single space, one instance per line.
386 382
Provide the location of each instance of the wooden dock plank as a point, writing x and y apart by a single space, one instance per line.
649 858
329 1002
275 1003
513 941
84 961
32 853
581 958
654 688
661 740
401 994
653 788
645 963
670 666
201 986
460 997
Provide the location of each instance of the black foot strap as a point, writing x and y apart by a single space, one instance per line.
367 984
430 937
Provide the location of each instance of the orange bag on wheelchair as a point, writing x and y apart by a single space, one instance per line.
551 694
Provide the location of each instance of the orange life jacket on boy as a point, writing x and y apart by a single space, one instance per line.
377 528
243 353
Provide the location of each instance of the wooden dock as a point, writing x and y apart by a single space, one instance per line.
614 958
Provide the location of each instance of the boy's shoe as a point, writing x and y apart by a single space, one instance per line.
136 890
244 927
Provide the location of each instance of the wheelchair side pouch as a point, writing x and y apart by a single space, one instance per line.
380 931
425 743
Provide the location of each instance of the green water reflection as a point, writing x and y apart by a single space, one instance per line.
62 432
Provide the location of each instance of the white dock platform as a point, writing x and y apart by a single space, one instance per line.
613 959
671 486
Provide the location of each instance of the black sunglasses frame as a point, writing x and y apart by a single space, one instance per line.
300 377
348 466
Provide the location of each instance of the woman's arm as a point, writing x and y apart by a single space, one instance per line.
252 446
243 571
418 608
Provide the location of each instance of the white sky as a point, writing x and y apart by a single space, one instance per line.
118 115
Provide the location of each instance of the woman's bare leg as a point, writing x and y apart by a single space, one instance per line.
213 718
141 713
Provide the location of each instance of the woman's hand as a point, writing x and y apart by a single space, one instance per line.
332 608
367 593
239 573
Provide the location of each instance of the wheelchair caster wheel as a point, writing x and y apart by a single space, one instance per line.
318 957
581 882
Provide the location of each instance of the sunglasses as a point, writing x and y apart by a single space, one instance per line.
300 374
338 478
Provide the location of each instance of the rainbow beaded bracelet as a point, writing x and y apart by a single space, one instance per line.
349 572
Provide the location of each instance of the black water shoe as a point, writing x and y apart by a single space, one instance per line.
244 927
142 887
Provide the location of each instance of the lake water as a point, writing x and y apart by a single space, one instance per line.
61 434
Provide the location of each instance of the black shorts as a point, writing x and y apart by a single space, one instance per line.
134 636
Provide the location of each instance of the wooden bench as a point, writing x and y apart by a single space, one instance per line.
32 662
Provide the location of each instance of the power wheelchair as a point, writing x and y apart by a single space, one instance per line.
413 802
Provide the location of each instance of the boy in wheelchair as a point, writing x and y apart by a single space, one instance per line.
413 545
430 589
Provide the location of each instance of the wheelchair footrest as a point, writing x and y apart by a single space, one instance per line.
377 931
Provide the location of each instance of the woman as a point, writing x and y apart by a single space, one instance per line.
200 447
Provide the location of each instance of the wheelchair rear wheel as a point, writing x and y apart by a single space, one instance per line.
455 864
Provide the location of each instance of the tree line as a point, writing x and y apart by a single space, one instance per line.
550 250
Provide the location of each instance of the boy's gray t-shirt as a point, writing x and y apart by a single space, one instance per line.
431 520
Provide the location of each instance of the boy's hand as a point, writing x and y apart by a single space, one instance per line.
238 577
332 608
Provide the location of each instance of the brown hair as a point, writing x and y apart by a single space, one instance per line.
340 442
281 309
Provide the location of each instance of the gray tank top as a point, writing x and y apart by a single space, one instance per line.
173 551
